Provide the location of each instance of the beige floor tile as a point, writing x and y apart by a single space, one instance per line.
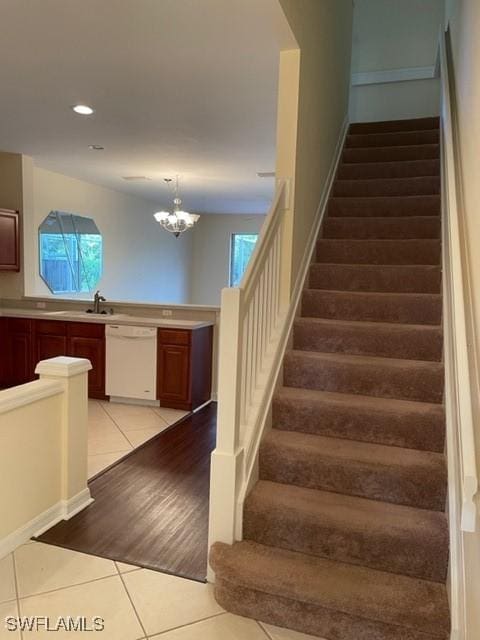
41 567
170 415
279 633
7 610
133 418
139 436
110 444
222 627
102 428
105 598
102 461
165 602
126 568
7 579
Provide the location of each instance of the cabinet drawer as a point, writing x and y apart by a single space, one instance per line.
85 330
50 327
174 336
19 325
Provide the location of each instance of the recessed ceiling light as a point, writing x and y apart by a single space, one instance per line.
96 147
83 109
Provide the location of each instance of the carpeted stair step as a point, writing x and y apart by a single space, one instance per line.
425 185
379 535
399 423
398 138
415 124
326 598
367 277
408 341
364 375
383 228
355 251
414 308
391 154
384 206
377 472
398 169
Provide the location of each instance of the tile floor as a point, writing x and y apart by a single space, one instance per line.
42 580
116 429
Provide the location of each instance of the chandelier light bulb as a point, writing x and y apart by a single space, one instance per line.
177 221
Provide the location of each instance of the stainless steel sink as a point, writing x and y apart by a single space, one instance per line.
84 315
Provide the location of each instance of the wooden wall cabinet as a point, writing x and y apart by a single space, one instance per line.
9 240
184 367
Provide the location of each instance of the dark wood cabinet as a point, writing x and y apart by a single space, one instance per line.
184 367
50 339
9 240
88 341
20 367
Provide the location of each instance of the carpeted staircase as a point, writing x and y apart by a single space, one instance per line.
345 534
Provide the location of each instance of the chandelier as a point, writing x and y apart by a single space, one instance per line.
178 220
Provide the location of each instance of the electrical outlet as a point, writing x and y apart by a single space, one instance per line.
41 305
167 312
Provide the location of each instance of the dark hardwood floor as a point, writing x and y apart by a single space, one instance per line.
151 508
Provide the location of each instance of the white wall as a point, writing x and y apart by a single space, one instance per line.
393 34
211 253
141 261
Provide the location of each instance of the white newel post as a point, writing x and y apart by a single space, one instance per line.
72 373
227 459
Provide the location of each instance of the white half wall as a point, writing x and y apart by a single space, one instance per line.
211 253
389 35
142 263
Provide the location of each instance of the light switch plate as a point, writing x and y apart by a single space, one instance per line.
167 312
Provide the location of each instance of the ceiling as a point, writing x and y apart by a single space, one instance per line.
182 87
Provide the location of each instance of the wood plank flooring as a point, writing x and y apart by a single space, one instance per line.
151 509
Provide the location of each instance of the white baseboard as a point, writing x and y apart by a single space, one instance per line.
62 510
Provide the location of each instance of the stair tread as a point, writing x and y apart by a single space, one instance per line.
424 296
353 450
404 124
366 324
351 511
299 394
367 593
394 363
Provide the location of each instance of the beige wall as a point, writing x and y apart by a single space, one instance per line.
323 30
464 18
388 34
211 253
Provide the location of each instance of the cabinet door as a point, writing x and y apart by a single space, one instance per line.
174 375
9 240
20 359
48 346
94 350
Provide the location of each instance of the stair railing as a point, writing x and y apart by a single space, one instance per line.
458 396
252 322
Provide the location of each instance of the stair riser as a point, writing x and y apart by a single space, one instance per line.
391 154
423 556
309 618
423 431
410 308
398 279
384 206
409 382
382 228
392 342
417 124
403 138
402 169
406 252
395 187
423 487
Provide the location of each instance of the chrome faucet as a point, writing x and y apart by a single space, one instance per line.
97 299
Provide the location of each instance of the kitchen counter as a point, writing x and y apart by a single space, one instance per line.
116 318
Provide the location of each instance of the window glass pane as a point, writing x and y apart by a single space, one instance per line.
242 248
70 253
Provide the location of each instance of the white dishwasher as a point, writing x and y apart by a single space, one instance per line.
131 358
